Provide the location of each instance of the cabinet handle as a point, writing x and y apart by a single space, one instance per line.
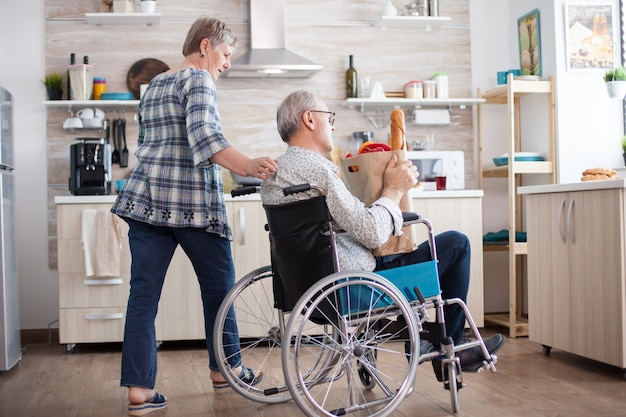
96 282
560 221
242 226
570 229
113 316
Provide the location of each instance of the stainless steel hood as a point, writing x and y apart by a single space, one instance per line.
268 56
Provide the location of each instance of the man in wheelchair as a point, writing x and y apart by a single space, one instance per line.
306 125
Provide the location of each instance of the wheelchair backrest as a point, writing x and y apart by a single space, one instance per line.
301 247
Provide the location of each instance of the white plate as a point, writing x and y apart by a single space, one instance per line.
528 77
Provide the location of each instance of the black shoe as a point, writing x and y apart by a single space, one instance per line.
471 359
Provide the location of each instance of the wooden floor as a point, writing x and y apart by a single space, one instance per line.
50 383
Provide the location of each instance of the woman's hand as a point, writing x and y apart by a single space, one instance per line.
262 168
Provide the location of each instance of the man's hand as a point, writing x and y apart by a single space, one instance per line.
398 178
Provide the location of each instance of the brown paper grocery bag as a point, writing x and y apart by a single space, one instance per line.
363 175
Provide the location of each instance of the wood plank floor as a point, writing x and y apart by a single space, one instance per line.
50 383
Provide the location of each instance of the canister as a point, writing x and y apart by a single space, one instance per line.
81 81
441 78
433 7
430 89
99 87
414 89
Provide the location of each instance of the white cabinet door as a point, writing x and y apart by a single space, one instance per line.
464 215
251 248
549 302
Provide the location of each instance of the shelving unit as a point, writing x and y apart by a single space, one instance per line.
91 103
510 95
100 19
426 22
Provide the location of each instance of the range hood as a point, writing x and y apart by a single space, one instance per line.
268 57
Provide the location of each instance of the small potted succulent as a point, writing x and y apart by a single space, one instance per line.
615 80
623 141
54 85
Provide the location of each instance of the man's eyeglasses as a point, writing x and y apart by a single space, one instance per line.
331 115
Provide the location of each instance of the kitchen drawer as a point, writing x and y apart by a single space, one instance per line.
71 257
91 325
78 291
70 220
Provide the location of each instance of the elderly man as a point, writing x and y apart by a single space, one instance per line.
306 125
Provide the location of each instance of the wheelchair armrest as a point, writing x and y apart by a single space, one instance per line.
409 217
249 189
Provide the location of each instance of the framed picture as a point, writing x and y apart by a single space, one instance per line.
529 43
591 35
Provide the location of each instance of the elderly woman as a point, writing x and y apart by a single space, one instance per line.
174 196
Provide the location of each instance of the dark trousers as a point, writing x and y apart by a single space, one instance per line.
454 254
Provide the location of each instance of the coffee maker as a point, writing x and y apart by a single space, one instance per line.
90 167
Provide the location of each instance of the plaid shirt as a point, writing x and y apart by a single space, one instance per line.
174 183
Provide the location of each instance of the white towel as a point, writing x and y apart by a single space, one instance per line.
101 237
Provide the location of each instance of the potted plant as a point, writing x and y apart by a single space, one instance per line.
623 141
615 80
54 85
148 6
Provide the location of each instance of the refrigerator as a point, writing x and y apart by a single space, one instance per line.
10 343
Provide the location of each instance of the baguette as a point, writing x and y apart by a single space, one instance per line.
398 130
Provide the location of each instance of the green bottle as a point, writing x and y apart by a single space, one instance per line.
351 80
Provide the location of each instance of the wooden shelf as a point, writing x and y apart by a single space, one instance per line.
509 96
520 328
100 19
426 22
525 167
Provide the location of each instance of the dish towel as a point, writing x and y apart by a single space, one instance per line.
102 244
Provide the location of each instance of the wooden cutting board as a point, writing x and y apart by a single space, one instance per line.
141 72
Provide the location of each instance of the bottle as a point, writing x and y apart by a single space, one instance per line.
351 80
69 82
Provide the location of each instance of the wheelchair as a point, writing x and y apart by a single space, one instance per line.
336 342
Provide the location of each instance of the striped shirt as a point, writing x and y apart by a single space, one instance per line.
174 183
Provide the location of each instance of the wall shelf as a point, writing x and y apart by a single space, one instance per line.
100 19
426 22
91 103
390 103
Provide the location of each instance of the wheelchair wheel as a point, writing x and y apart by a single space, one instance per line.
368 373
260 330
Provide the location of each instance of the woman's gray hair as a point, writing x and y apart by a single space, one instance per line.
290 110
212 29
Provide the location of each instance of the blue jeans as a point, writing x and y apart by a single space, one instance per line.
151 249
454 254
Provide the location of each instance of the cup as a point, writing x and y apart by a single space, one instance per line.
502 77
86 114
72 123
440 182
98 113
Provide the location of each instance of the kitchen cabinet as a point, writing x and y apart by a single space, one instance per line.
458 210
511 95
577 271
92 310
